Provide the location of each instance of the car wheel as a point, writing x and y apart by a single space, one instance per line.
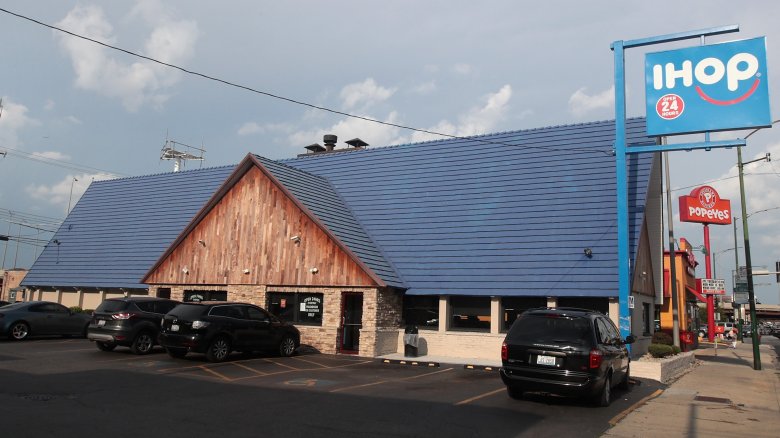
20 331
514 392
142 344
624 383
287 346
105 346
84 332
218 350
605 395
176 353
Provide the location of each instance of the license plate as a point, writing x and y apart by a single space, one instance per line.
545 360
174 327
101 322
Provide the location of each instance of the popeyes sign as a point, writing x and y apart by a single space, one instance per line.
704 205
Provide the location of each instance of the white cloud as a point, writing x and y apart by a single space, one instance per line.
478 120
364 94
48 105
462 69
74 120
581 104
137 83
53 155
59 194
425 88
372 133
13 120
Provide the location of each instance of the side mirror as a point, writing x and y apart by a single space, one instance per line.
630 339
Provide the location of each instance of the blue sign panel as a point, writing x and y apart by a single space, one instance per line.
707 88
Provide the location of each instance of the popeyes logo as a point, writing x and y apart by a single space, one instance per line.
704 205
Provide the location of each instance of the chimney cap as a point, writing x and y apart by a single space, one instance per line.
356 143
315 147
329 138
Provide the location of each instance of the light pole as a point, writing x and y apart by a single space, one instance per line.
746 240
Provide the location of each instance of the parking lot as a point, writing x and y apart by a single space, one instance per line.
78 387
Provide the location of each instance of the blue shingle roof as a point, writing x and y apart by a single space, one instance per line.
501 214
119 228
317 194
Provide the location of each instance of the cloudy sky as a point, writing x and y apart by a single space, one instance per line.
74 111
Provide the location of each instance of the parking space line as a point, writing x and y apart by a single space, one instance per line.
303 369
427 374
260 373
209 370
310 361
281 364
487 394
360 386
390 380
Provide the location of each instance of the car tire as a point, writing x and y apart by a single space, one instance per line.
514 392
624 384
143 343
287 346
218 350
105 346
176 353
604 397
19 331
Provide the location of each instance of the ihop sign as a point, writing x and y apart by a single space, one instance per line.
704 206
707 88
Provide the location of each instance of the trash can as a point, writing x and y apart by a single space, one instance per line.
411 341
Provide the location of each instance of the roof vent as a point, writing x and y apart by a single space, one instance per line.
314 148
357 143
330 141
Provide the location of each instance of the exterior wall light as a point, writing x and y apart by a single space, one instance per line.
185 270
202 242
296 239
588 252
314 270
246 270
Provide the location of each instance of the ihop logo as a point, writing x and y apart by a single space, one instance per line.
707 88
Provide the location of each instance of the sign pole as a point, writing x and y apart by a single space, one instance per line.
710 298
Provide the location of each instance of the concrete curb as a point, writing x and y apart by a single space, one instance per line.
411 363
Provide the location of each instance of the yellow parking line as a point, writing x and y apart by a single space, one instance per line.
209 370
248 368
360 386
281 364
427 374
487 394
311 362
302 369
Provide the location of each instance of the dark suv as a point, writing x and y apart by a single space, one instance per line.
565 351
129 321
219 328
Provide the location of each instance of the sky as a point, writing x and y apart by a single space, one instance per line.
74 111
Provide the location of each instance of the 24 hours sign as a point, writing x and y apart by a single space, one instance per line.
707 88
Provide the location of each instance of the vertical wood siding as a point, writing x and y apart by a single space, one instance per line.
251 228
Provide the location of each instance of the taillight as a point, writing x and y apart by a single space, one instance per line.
504 352
123 315
595 359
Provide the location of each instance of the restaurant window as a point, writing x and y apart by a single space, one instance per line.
421 311
296 307
470 313
164 292
514 306
646 319
597 304
197 296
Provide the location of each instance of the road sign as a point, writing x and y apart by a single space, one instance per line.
741 297
711 286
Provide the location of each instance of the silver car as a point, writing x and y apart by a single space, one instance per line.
19 321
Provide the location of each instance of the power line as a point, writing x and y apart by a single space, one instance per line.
290 100
55 162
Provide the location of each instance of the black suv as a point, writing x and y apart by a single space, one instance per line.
565 351
219 328
129 321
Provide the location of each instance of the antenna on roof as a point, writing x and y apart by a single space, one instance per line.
179 153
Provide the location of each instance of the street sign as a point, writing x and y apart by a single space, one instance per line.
741 297
713 87
711 286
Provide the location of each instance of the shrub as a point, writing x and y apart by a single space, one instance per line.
662 338
76 309
676 349
660 350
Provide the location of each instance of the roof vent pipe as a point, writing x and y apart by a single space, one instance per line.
330 141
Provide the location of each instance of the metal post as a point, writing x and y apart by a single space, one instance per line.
746 239
672 258
736 270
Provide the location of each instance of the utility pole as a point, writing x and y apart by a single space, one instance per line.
672 257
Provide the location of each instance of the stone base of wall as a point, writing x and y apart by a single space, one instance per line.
663 370
483 346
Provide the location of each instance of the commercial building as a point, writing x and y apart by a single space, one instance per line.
456 237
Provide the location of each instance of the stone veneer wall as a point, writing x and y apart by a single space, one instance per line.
381 313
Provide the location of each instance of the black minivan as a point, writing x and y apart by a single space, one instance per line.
565 351
217 328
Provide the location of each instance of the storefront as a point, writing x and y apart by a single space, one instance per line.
687 296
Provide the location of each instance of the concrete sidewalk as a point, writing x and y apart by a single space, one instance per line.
723 396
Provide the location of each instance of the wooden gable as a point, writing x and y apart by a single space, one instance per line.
257 234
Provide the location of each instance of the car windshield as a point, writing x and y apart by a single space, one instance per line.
111 306
188 312
550 328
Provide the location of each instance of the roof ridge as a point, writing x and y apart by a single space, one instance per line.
281 163
165 173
